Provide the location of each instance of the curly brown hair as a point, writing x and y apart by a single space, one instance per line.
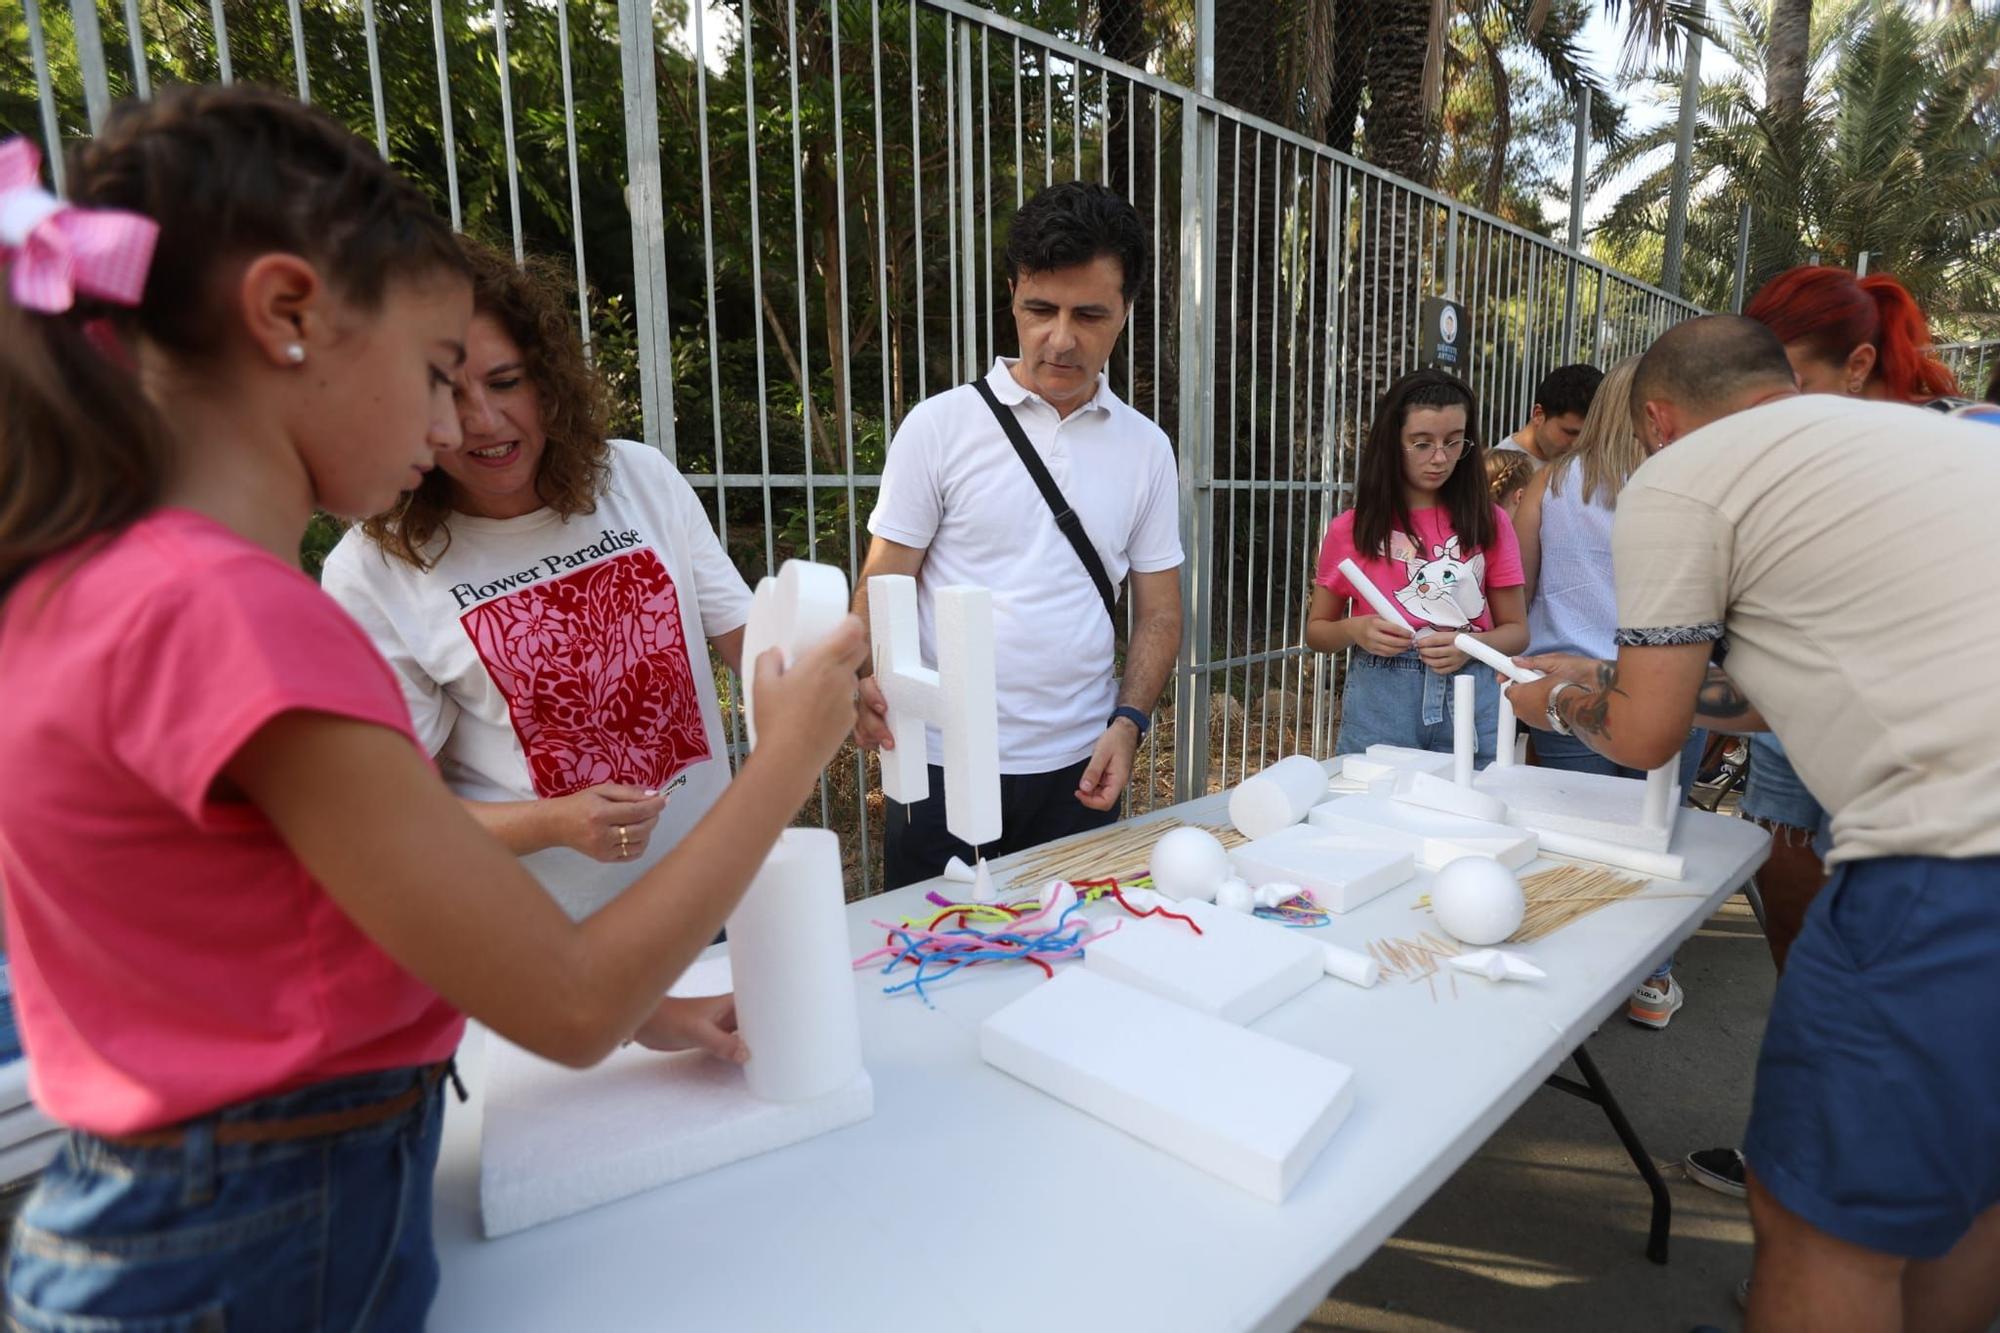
531 301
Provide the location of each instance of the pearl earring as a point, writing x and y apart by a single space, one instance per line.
295 353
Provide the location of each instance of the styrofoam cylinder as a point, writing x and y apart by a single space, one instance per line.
1494 658
1464 736
1372 594
1478 900
1277 798
1189 863
788 955
1354 968
1663 788
1659 865
1503 734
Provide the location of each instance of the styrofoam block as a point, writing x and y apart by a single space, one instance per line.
1585 805
1392 763
1433 792
1434 838
1663 792
1237 969
1351 965
791 611
1340 870
1278 797
1239 1105
788 947
557 1141
958 697
1658 865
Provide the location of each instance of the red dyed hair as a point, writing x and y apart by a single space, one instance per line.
1832 312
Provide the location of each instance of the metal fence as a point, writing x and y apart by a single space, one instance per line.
816 201
1974 363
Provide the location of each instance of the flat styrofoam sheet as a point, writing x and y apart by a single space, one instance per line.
1241 1106
1587 805
1237 969
1341 870
557 1141
1432 836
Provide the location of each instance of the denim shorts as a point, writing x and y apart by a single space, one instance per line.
1877 1111
325 1233
1773 793
1400 701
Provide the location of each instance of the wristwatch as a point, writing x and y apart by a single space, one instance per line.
1556 724
1132 715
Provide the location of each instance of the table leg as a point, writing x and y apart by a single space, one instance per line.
1595 1089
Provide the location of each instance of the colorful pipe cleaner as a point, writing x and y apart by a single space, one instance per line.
1023 933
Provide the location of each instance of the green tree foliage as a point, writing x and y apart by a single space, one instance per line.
1897 154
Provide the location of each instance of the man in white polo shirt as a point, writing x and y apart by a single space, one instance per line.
959 505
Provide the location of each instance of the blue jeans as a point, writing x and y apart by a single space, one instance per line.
1400 701
1773 794
325 1233
1571 755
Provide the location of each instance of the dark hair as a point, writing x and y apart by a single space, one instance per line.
1833 312
1707 362
1568 389
1073 223
1379 504
1993 385
226 173
531 301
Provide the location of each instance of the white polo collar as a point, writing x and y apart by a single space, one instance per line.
1013 393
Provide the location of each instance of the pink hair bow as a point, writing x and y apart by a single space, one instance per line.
54 251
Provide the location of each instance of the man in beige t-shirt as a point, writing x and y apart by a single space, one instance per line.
1833 555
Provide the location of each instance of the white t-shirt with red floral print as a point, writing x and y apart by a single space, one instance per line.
541 655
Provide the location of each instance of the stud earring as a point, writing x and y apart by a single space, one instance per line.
295 353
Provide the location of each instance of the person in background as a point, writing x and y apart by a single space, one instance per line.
959 505
1561 400
1426 532
1508 472
245 918
1799 535
548 600
1564 526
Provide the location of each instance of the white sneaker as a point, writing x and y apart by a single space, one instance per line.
1651 1007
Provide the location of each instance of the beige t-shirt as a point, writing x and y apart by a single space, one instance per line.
1844 548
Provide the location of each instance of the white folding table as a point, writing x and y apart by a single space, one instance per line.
972 1201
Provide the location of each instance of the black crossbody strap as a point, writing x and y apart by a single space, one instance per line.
1066 518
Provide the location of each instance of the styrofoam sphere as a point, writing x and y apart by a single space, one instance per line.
1189 863
1235 895
1478 900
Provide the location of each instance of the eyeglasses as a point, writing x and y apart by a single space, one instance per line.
1452 449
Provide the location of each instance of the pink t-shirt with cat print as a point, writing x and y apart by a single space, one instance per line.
1434 582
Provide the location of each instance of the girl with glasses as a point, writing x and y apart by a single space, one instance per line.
1425 530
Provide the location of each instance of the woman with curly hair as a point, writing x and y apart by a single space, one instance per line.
549 599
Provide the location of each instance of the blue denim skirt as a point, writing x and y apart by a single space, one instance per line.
323 1233
1400 701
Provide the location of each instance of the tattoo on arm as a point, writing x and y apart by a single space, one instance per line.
1588 713
1719 697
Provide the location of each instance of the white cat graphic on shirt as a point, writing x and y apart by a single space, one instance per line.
1442 589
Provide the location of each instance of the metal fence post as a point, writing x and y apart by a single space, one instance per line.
643 197
90 60
1197 444
1579 166
1736 292
971 273
1670 267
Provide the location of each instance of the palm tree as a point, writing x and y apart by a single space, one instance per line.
1893 153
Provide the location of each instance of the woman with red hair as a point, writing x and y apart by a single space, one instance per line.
1863 337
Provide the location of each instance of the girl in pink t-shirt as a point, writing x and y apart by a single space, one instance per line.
243 912
1427 534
